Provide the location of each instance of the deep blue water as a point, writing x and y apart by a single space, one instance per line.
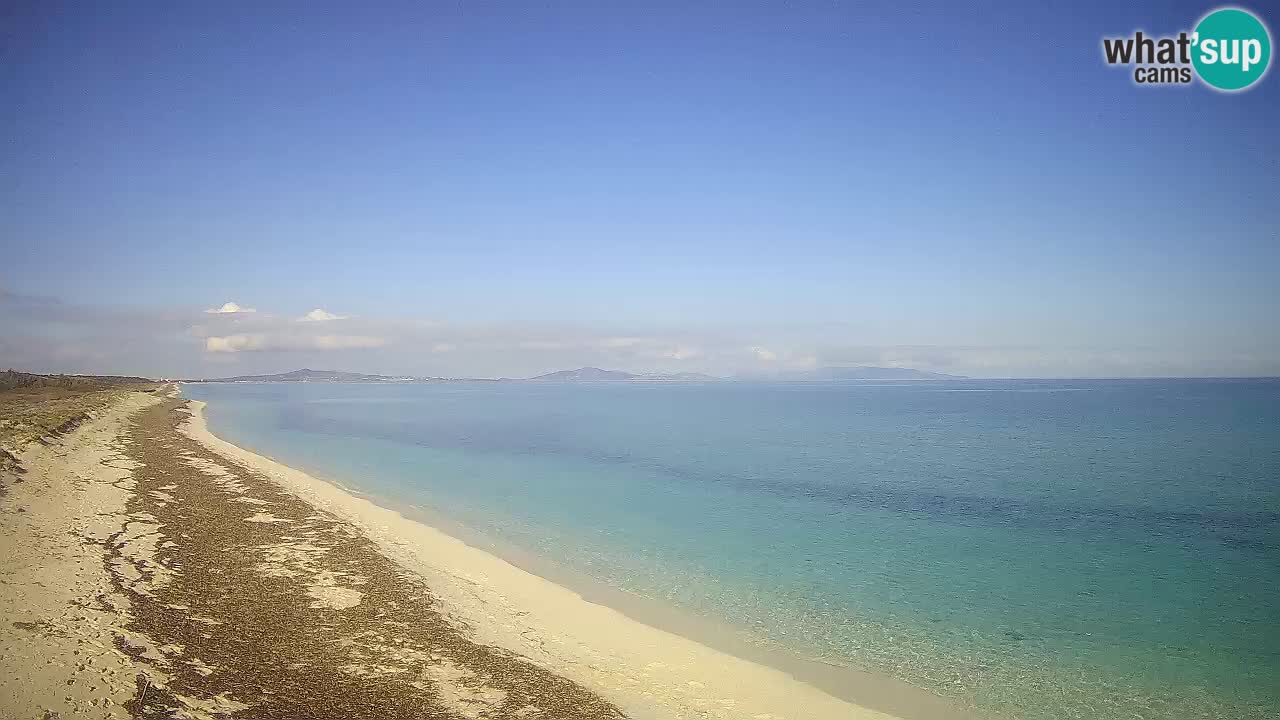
1045 549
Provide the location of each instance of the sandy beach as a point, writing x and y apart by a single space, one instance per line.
157 570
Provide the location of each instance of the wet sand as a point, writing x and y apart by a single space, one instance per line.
159 571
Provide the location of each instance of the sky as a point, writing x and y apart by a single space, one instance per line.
504 189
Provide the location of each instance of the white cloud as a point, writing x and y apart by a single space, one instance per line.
764 354
233 343
320 315
258 342
228 308
46 334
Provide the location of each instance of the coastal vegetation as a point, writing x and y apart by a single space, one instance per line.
35 406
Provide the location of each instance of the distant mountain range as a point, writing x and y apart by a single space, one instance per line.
593 375
329 376
586 374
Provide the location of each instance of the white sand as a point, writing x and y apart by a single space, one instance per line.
648 672
60 613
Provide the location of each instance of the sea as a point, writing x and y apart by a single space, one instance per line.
1033 549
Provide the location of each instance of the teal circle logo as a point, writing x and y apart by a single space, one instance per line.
1232 49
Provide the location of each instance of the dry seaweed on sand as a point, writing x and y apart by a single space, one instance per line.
285 612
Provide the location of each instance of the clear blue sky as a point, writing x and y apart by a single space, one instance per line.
730 187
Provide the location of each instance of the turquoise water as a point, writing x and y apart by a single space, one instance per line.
1039 549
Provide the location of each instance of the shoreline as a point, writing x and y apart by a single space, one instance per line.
152 577
650 659
883 693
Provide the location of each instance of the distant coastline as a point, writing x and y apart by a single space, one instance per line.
595 375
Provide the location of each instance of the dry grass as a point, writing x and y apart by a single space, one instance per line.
33 407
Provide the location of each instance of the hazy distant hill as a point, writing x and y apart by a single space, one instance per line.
868 373
585 374
308 375
593 374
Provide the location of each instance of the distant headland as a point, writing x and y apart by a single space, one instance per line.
597 375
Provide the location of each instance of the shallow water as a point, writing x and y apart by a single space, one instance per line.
1042 549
